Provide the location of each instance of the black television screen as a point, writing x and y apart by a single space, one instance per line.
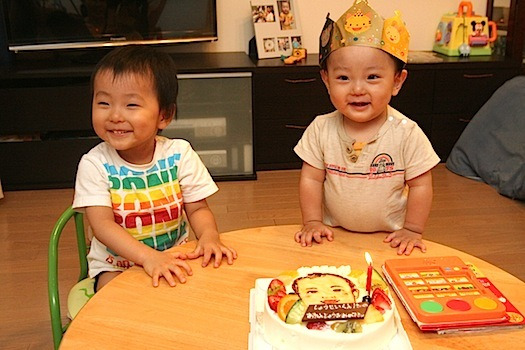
56 24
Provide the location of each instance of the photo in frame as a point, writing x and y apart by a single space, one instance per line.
277 27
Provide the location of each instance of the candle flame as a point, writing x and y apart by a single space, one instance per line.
368 258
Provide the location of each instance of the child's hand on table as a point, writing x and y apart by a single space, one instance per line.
405 241
212 246
165 264
313 231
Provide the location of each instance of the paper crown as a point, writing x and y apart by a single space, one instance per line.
361 25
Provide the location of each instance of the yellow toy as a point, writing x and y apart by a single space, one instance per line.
297 55
464 34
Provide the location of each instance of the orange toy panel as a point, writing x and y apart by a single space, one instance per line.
442 291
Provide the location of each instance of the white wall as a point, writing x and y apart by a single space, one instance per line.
421 16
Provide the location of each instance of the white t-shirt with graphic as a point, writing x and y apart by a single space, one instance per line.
147 199
367 194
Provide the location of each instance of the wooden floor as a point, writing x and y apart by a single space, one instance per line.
466 215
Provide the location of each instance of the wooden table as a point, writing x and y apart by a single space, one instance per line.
211 311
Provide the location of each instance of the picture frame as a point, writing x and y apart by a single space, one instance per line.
277 27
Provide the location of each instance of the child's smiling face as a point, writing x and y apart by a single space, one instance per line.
361 81
126 114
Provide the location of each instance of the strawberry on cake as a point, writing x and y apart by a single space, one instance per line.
328 307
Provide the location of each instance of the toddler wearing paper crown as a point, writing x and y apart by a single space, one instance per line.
366 167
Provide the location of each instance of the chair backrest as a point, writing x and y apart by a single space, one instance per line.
52 283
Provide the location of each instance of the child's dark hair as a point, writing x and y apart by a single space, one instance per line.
399 65
144 60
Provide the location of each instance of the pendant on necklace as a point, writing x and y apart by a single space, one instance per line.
350 153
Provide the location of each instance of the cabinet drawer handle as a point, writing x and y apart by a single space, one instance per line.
292 126
300 81
463 120
477 76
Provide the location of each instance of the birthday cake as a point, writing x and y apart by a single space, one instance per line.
328 307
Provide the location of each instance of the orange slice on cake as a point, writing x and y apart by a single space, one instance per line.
285 304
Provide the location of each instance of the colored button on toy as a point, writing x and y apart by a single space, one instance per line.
431 306
485 303
458 305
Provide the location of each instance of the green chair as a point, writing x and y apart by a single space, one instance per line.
83 290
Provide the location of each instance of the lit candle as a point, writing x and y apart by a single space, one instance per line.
368 259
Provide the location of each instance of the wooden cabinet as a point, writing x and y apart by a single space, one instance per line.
443 98
458 95
416 97
40 164
286 100
45 127
41 105
466 90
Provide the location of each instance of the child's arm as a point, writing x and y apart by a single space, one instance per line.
156 264
311 200
419 202
203 224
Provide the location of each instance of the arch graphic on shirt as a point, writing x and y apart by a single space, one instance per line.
382 166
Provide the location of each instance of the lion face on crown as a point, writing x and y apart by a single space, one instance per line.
392 34
357 23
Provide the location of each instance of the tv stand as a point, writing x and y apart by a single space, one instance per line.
45 120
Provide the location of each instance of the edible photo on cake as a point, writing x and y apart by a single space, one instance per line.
326 298
325 307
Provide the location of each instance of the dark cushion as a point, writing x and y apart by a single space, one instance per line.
492 146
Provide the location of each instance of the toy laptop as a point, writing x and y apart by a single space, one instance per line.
443 293
464 34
